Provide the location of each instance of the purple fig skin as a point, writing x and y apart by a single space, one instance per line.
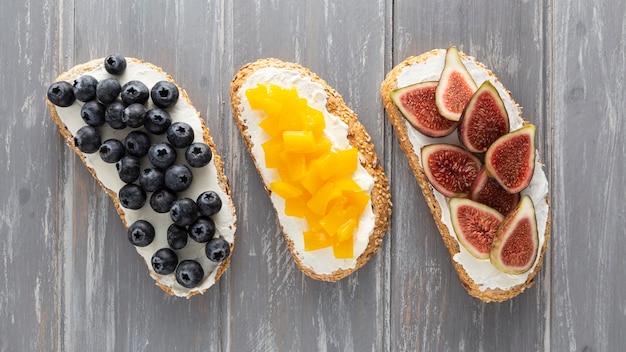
456 86
516 243
488 191
484 119
511 159
475 225
417 104
450 169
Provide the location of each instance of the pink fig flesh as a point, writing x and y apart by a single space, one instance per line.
511 159
450 169
417 104
516 242
488 191
475 225
484 119
456 86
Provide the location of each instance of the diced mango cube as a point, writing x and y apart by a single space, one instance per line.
299 141
339 163
272 149
297 206
324 195
343 250
346 230
270 125
314 240
260 100
313 120
335 217
285 189
357 199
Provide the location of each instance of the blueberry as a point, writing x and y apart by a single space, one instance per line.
128 168
115 64
111 151
92 113
202 230
152 179
85 88
87 139
157 121
134 115
184 212
107 90
162 200
137 143
61 94
180 135
209 203
164 94
178 177
198 154
141 233
132 196
162 155
189 273
217 249
113 115
164 261
135 92
176 236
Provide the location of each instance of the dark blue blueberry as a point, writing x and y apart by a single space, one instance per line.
184 212
61 94
162 200
141 233
157 121
152 179
107 90
115 64
134 115
162 155
132 196
198 155
128 168
113 115
164 94
202 230
217 249
178 177
135 92
189 273
177 236
112 150
92 113
87 139
164 261
209 203
137 143
85 88
180 135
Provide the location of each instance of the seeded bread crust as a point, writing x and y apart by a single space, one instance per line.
398 122
222 180
358 138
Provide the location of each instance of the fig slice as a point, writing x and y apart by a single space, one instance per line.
484 119
516 242
450 169
456 86
475 225
488 191
511 159
417 104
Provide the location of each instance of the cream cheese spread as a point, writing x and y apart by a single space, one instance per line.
485 275
321 261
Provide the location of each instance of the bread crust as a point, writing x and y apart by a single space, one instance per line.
358 138
400 126
222 180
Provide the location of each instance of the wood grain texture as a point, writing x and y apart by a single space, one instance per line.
70 281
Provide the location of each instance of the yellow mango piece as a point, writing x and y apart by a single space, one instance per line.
313 219
346 230
285 190
357 199
270 125
299 141
297 206
343 250
322 197
312 181
313 120
259 99
322 147
295 164
314 240
272 149
340 163
346 184
335 217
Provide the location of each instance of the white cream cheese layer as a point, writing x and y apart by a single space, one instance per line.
204 179
481 271
321 261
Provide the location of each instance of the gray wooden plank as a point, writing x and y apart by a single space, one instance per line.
430 310
588 291
274 306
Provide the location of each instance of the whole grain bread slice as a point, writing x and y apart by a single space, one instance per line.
426 62
358 138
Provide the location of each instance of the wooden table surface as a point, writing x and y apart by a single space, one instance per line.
70 281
